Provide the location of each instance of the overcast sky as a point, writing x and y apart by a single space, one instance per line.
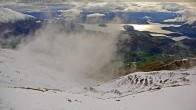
118 0
139 0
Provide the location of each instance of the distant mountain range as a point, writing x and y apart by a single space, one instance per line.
109 17
186 30
130 17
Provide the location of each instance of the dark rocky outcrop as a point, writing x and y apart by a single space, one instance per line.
169 65
102 25
128 28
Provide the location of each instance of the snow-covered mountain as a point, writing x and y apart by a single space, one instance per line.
14 26
30 81
8 15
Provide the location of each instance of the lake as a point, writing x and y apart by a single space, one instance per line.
152 27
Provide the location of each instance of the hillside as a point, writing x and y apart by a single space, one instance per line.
142 49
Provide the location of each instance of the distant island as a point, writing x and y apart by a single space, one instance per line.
128 27
103 25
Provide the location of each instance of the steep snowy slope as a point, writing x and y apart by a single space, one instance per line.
8 15
31 82
25 69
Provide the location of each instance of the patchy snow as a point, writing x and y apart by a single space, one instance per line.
143 81
8 15
29 82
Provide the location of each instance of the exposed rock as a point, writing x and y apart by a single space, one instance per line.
169 65
102 25
128 28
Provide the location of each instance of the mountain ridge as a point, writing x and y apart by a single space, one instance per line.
8 15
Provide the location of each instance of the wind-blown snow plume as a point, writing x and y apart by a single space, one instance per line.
77 55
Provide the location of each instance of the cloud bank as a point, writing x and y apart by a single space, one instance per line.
72 9
188 15
97 0
78 55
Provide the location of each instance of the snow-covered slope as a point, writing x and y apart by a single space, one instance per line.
26 69
31 82
8 15
178 98
143 81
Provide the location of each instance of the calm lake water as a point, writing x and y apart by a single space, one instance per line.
152 27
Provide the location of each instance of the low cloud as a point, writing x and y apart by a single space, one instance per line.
173 7
70 14
95 15
75 8
188 16
123 6
78 55
134 6
95 18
